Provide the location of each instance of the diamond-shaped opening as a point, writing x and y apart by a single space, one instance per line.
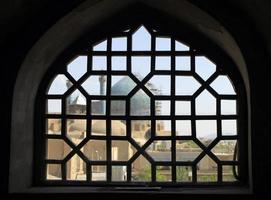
98 173
121 150
206 170
101 46
119 44
98 127
186 85
57 149
162 44
59 85
99 62
141 66
119 173
163 127
229 127
228 107
183 127
53 106
159 85
95 85
160 150
187 150
183 63
204 67
163 173
76 103
183 173
53 172
53 126
223 85
95 150
76 169
205 104
121 85
141 170
224 150
179 46
118 128
141 131
78 67
140 104
119 63
206 131
141 40
76 130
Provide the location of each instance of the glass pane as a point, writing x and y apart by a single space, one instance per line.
159 85
162 44
163 174
141 40
98 172
141 66
224 150
163 128
141 170
101 46
229 127
206 170
76 103
95 85
118 107
228 107
204 67
187 150
160 150
227 173
76 169
53 126
121 150
119 173
78 67
205 104
53 172
99 62
121 85
141 131
222 85
76 130
57 149
186 85
162 107
183 63
140 104
98 107
183 173
183 128
119 44
54 106
206 131
119 63
118 128
162 63
181 46
98 127
59 85
95 150
182 108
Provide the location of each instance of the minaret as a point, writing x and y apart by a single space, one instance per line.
68 85
102 80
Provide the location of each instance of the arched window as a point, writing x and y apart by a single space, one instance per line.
140 107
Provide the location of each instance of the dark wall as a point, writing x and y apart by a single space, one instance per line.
23 23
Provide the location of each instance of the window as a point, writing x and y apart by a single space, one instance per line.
141 108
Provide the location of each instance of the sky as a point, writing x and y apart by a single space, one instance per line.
185 85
